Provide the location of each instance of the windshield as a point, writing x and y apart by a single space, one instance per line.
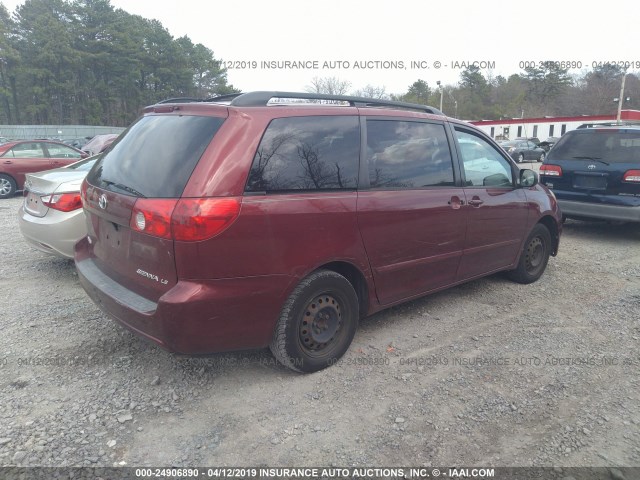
155 157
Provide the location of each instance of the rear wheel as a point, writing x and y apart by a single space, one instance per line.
7 186
542 157
534 256
520 157
317 323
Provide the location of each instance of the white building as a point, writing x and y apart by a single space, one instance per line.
545 127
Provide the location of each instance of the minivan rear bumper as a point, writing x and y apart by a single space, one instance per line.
195 316
599 210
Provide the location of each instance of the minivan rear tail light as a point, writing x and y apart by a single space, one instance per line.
153 216
196 219
186 220
551 170
64 202
632 176
83 192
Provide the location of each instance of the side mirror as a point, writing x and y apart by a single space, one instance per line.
528 178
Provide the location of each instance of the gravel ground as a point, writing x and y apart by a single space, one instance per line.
490 373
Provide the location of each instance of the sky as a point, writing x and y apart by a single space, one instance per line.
393 43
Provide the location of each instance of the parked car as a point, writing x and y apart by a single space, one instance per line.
77 142
51 217
595 173
535 140
261 227
548 143
28 156
99 143
524 150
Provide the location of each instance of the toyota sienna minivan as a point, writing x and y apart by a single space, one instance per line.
281 219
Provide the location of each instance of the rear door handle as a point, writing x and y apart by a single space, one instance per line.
476 202
8 162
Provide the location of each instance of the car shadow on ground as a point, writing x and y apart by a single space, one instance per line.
602 229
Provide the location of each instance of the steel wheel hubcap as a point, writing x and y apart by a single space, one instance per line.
321 321
535 254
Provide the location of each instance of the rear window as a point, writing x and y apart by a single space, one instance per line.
307 153
155 157
618 146
84 165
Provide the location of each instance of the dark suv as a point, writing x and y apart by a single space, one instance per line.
595 173
263 221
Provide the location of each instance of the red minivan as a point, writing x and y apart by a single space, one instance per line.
280 219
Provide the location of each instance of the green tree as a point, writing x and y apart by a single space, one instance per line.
546 84
86 62
44 31
419 92
9 62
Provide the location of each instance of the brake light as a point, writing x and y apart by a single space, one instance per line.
631 176
551 170
186 220
64 202
153 216
196 219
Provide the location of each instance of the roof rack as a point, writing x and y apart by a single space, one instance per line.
219 98
260 99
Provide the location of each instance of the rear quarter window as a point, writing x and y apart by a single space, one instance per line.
307 153
155 157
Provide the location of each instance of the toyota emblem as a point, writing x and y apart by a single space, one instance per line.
102 201
591 167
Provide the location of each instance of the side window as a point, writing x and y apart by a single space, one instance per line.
27 150
62 151
408 154
307 153
483 165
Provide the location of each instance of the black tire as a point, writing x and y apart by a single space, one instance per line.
534 256
542 157
317 323
7 186
520 157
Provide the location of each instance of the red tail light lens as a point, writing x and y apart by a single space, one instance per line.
65 202
153 216
196 219
551 170
186 220
632 176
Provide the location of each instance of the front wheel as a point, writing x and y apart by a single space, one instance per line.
317 323
7 186
521 158
534 256
542 157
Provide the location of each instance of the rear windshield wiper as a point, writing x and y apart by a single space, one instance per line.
123 187
597 159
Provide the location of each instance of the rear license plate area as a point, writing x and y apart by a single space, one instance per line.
33 205
590 182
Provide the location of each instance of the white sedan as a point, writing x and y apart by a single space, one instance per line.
51 217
